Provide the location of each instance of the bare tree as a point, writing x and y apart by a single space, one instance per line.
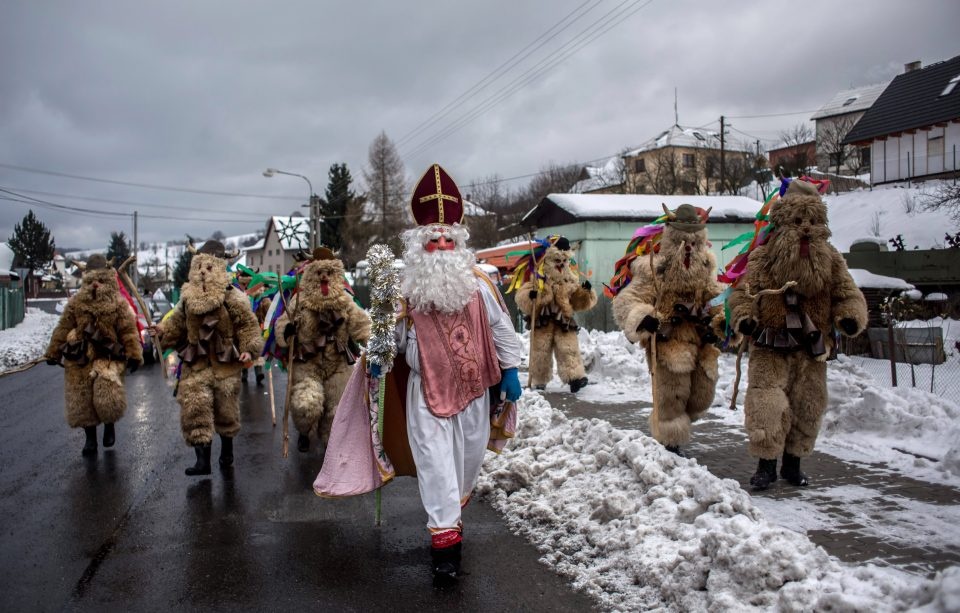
386 195
492 197
830 141
796 139
945 196
665 172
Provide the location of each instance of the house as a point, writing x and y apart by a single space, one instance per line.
682 160
834 120
283 239
607 178
599 227
792 160
913 128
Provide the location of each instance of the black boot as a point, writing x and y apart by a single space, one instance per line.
577 385
243 375
675 449
791 470
226 451
445 563
90 447
109 436
202 467
765 475
258 370
303 443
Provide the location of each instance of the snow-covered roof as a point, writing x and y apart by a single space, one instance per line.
257 245
293 232
865 278
851 101
472 209
580 207
678 136
6 257
608 174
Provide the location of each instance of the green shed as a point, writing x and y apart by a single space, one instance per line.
599 227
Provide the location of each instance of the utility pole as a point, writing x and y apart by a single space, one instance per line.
760 191
722 152
136 245
315 220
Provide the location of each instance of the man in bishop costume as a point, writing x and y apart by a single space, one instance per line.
451 388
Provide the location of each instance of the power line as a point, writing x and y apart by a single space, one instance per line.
500 69
586 36
127 202
770 115
145 185
23 199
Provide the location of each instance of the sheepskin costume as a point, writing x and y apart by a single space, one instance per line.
792 333
668 298
329 328
94 340
211 326
555 332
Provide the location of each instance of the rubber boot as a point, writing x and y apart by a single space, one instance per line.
226 451
258 371
765 475
90 447
577 385
303 443
675 449
445 563
109 435
791 470
202 467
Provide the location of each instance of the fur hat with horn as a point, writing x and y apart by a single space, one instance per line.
212 247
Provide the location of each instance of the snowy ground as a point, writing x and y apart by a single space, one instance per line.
28 340
639 528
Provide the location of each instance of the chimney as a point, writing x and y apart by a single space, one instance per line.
911 66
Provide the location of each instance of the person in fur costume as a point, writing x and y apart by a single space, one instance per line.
791 331
261 306
95 340
329 328
215 332
554 298
668 298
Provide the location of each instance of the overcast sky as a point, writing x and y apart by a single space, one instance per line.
206 95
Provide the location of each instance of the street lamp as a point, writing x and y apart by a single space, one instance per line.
312 204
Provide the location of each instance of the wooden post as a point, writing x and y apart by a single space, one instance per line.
891 349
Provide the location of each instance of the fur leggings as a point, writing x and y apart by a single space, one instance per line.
314 398
94 393
548 341
209 403
686 379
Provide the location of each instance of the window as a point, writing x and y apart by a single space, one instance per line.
849 101
935 146
269 251
698 136
865 156
952 84
688 160
639 165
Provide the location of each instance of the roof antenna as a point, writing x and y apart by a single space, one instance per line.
676 114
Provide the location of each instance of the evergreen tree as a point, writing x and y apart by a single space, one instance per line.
182 270
118 249
336 206
32 245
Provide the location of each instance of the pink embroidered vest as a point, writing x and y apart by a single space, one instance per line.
458 360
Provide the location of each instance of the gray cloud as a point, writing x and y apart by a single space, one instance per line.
206 95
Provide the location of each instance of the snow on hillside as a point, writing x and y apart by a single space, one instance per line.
885 212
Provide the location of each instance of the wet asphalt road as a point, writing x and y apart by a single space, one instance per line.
129 530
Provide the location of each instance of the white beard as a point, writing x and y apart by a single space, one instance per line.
440 281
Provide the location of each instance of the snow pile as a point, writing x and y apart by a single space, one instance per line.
28 340
640 528
879 420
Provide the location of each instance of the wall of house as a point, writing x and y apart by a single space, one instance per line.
696 177
599 244
272 257
916 155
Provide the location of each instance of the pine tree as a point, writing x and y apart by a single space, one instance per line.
336 206
118 249
182 270
386 194
32 245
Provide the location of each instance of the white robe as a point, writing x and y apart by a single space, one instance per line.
448 451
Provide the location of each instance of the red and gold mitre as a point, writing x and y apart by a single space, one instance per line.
436 199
